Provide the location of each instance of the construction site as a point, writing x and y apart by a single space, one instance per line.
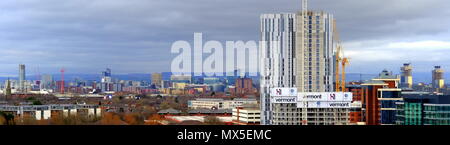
313 64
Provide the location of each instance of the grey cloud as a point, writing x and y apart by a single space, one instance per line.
136 35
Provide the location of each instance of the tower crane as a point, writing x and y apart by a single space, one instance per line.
340 61
345 62
304 5
62 80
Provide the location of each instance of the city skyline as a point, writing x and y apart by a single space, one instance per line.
85 39
212 62
418 77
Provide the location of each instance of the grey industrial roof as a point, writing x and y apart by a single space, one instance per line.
210 111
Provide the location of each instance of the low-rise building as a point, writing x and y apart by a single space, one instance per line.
43 112
170 111
215 103
210 112
246 116
180 120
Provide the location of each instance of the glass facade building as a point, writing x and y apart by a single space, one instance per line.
423 110
387 99
437 114
409 113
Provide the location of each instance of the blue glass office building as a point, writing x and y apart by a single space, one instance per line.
423 109
387 99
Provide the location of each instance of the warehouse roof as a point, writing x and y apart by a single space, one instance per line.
210 111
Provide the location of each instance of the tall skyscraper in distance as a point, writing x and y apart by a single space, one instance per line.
8 88
406 76
22 77
106 73
438 78
157 79
106 81
106 76
46 81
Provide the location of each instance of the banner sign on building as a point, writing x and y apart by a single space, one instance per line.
325 96
284 100
323 104
283 92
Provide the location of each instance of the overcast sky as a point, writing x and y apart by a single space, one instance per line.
135 36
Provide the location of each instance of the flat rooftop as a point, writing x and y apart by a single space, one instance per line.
198 118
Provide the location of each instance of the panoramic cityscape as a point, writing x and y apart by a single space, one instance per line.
299 70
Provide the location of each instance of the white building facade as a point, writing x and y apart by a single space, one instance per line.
213 103
246 116
277 57
297 55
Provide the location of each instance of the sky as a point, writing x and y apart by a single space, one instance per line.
135 36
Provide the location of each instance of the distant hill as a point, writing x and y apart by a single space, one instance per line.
417 77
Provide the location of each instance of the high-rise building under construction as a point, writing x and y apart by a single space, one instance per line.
298 53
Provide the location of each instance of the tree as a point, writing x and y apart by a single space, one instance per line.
2 120
169 102
164 105
57 120
26 120
30 99
111 119
67 120
212 120
37 102
60 119
155 119
116 100
6 119
147 111
132 119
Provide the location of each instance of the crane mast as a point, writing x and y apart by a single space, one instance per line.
340 61
304 5
345 61
62 81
